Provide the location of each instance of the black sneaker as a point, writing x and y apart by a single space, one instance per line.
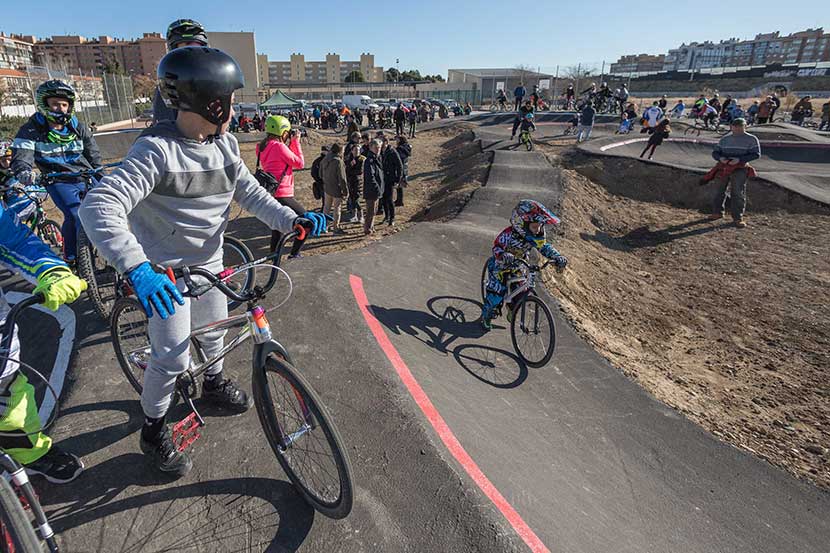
57 466
225 394
164 455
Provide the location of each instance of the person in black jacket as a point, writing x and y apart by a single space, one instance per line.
182 32
392 174
404 149
55 141
373 185
400 118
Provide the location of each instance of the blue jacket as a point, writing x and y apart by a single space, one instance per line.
21 251
588 113
32 147
520 92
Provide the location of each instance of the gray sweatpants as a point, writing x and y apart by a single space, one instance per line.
170 345
737 182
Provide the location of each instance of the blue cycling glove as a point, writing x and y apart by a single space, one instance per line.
560 261
154 290
315 223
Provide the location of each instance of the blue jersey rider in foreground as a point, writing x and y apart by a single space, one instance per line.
526 231
24 253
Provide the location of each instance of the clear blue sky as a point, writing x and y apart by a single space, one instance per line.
442 34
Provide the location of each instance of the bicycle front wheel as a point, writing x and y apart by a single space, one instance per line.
100 277
50 232
17 535
235 252
305 442
529 143
484 278
130 340
533 332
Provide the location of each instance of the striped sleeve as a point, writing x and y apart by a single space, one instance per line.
23 252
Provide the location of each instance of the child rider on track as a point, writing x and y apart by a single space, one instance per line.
526 231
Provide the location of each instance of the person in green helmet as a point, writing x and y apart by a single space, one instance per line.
180 33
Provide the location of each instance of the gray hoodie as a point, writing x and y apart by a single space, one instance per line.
168 202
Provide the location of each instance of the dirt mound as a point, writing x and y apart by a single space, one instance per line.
729 326
677 187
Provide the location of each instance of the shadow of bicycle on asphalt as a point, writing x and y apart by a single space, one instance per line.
451 319
235 514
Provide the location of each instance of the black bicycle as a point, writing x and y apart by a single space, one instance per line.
532 328
18 501
296 423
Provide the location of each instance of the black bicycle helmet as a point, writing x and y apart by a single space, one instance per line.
200 80
185 30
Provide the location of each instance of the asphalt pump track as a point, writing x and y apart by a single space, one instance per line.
455 445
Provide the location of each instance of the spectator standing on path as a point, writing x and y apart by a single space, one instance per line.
660 132
180 33
733 153
825 117
404 149
317 187
352 126
400 118
392 174
776 103
354 174
586 122
765 110
663 103
280 154
372 184
412 117
519 94
335 185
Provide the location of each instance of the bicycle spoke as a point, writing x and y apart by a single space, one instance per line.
310 455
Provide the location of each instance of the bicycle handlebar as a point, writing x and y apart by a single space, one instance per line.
218 280
82 173
534 268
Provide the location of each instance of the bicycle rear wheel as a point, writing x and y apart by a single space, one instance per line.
305 442
235 252
692 131
130 340
17 535
532 331
100 277
50 232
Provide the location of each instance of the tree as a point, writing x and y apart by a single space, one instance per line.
434 78
392 75
411 75
355 77
143 86
574 72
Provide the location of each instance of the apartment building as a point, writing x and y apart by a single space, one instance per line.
639 63
331 70
80 55
16 51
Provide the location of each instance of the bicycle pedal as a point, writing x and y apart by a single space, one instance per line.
186 431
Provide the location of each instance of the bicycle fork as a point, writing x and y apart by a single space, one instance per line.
28 499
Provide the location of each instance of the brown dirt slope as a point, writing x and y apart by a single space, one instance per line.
729 326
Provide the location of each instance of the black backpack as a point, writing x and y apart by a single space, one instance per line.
315 169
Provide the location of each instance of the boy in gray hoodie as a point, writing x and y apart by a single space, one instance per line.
168 204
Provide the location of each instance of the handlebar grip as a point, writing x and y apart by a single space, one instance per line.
301 232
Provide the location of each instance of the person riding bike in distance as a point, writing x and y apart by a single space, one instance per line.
526 232
527 124
526 108
56 142
168 205
24 253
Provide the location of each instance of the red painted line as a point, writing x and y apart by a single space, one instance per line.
440 426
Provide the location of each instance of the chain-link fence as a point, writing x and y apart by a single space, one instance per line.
113 101
462 96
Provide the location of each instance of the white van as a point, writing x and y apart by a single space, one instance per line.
353 101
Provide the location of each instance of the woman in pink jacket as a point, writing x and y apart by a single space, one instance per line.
280 154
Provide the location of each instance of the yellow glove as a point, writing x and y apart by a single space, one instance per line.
59 286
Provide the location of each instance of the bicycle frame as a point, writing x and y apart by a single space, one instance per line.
529 283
